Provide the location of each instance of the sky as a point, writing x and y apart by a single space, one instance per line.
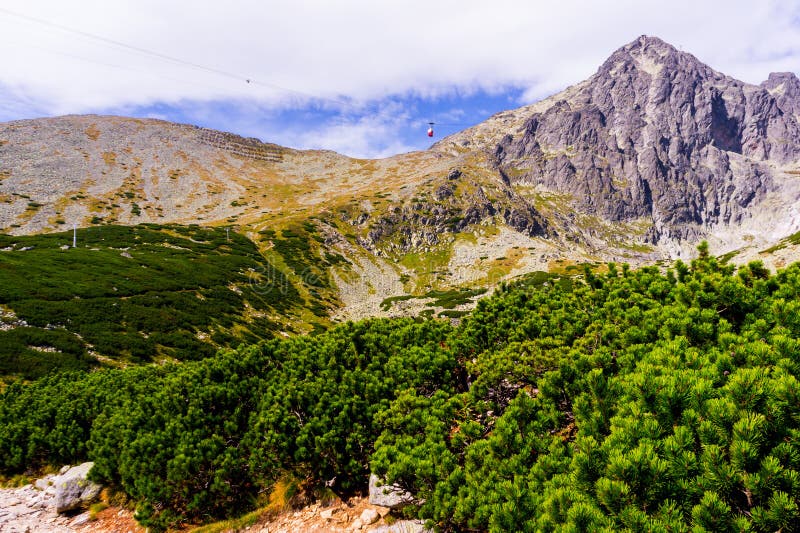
362 77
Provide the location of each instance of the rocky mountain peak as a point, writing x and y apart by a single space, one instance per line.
777 78
656 135
646 48
655 58
652 57
785 88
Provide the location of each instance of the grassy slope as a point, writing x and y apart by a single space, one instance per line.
132 294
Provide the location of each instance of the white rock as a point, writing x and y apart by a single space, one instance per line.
73 489
369 516
327 514
357 525
80 519
390 496
403 526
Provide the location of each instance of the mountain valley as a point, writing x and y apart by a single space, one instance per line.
577 315
639 163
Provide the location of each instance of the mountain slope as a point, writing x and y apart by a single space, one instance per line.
653 153
385 216
657 136
137 294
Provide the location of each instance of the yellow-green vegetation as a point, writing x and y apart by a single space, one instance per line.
468 237
282 495
792 240
16 481
233 524
548 202
619 182
560 266
623 235
97 508
429 268
500 268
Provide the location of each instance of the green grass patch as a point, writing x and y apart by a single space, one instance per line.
452 313
448 299
728 256
387 303
793 240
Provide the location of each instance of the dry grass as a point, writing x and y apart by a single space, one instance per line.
93 132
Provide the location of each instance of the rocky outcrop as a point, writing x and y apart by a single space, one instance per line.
655 133
73 489
785 88
450 207
390 496
41 506
403 526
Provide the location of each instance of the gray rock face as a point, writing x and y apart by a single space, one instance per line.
423 221
656 134
785 88
73 489
389 496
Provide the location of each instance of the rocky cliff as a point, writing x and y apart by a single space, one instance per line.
657 136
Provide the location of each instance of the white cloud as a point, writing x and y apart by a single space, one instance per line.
375 134
360 51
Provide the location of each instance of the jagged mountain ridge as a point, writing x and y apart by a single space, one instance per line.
639 162
657 135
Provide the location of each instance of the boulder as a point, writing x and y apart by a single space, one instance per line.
403 526
74 489
390 496
369 516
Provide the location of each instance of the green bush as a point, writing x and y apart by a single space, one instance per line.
629 401
201 440
635 401
135 293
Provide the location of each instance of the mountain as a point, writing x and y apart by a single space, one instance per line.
658 137
652 154
399 221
